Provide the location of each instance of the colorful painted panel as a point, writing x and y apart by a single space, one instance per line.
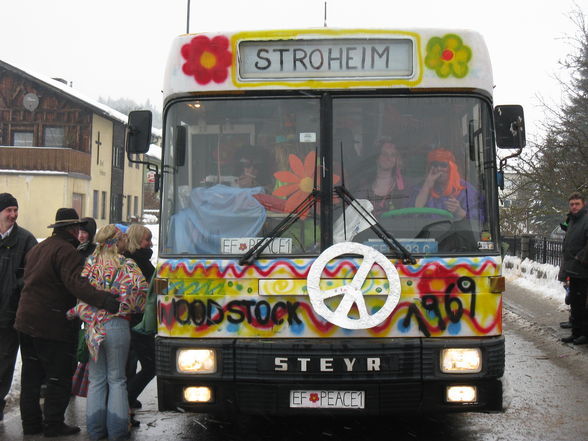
439 297
328 58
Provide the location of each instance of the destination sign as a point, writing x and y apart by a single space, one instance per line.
327 59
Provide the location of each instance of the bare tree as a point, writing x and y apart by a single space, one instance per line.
551 168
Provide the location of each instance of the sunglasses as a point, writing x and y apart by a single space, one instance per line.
439 164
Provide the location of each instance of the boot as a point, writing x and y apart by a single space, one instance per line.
60 430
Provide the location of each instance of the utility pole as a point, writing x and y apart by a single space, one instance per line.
188 18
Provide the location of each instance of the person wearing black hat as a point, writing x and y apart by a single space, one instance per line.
52 285
15 242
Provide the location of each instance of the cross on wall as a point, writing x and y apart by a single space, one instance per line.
98 144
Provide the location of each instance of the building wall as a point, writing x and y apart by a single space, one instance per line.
102 130
133 188
40 195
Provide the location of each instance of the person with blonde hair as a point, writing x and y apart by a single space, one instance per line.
108 335
142 344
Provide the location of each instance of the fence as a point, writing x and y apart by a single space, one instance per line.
538 249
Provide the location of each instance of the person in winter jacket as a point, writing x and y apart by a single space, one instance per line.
15 242
86 236
85 248
575 266
142 345
108 335
52 283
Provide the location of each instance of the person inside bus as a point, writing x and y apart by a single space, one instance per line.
443 188
383 181
253 168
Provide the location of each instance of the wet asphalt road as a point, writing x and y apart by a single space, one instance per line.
548 391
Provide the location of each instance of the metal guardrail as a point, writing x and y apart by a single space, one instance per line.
538 249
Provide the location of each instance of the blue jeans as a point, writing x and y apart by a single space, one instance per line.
107 407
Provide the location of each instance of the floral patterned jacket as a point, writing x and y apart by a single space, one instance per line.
121 277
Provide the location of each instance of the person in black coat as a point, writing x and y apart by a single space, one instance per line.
575 267
139 248
15 243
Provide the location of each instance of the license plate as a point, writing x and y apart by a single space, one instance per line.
328 399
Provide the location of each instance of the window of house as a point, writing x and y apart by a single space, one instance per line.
77 201
118 157
103 208
129 206
95 204
23 139
54 136
136 206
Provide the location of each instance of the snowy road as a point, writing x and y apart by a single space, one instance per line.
548 384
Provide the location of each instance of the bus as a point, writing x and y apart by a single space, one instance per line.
329 238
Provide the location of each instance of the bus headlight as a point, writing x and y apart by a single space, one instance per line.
196 361
461 360
195 394
461 394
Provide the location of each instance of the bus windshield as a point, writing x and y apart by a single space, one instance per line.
419 166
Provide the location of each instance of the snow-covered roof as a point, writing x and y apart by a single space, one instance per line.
98 107
154 151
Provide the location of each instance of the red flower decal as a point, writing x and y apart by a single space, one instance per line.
207 60
242 247
314 397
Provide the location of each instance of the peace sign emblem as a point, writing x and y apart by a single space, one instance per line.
352 293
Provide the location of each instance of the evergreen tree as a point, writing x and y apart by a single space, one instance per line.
126 105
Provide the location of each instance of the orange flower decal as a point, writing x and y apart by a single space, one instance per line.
299 181
207 60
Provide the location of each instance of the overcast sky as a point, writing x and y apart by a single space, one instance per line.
118 48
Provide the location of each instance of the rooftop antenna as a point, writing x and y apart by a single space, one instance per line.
188 18
325 23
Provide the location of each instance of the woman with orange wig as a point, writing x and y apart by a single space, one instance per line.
443 188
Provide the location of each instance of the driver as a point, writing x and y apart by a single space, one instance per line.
445 189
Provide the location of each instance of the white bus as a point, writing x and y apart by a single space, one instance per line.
329 223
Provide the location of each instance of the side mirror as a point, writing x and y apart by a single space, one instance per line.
180 145
509 123
139 131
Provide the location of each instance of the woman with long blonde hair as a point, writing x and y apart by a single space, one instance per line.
142 344
108 335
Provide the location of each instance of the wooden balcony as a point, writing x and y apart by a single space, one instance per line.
45 158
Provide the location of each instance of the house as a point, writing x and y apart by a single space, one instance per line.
61 149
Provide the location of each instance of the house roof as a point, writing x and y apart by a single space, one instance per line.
97 107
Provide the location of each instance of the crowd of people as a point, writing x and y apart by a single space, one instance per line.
47 289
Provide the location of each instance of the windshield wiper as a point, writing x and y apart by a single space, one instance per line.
380 231
250 256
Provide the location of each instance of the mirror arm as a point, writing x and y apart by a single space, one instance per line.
150 166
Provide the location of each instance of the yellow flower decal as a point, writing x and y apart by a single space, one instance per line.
448 56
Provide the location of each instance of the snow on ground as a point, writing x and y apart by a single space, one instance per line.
539 278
